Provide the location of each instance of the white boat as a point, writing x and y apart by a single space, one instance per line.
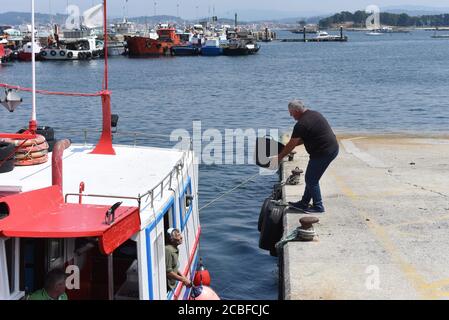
111 237
323 35
374 33
73 49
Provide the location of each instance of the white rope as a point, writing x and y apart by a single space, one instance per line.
229 191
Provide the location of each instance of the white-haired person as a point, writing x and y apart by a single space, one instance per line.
174 238
312 130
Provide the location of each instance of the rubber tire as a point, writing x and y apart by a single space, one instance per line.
62 53
70 55
53 53
7 166
264 211
44 53
6 149
51 145
81 56
47 132
272 229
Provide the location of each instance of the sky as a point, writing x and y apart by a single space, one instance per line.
223 8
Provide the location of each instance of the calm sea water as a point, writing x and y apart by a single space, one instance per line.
388 84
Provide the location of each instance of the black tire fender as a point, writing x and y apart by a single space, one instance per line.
272 229
7 166
62 53
6 150
47 132
70 55
53 52
264 211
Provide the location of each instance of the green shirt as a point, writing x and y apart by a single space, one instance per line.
171 264
43 295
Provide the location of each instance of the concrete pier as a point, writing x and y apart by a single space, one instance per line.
385 233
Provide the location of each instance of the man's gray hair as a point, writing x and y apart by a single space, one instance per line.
297 105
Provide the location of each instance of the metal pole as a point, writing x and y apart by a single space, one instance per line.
110 278
33 125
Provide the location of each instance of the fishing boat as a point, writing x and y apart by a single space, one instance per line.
73 49
25 53
212 47
147 46
2 53
100 212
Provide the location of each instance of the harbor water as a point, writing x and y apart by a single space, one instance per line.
394 83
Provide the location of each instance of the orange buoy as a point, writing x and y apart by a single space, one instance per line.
33 148
202 276
203 293
31 162
31 155
30 142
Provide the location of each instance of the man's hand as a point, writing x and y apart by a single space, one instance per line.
274 163
187 282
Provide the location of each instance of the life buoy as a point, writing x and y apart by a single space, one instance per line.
62 53
264 211
32 162
70 55
33 148
272 229
31 155
44 53
30 142
53 53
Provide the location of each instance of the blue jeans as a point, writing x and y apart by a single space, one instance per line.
314 172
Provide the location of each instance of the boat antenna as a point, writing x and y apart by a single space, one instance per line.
105 46
33 122
104 145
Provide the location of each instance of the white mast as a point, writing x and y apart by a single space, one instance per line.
33 63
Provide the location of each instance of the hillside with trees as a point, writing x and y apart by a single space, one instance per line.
358 19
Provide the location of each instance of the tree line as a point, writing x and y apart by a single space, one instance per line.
389 19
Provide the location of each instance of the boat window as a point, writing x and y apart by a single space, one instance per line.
169 219
4 210
10 261
55 253
186 204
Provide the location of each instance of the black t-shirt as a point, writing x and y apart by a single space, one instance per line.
315 131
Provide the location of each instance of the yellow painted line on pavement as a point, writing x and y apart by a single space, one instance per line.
407 269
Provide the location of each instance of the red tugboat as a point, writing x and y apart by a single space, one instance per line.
146 46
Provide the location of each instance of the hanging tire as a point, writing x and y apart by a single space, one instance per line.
43 53
272 229
7 166
264 211
53 53
51 145
80 56
6 150
70 55
47 132
62 53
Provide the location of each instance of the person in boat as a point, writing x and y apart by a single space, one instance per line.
54 287
172 260
312 130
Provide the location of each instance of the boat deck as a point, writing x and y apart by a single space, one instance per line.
132 171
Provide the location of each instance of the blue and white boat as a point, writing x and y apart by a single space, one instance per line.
212 47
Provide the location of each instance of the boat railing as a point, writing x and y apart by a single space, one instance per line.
155 192
89 136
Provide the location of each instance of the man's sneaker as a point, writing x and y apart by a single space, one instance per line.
314 209
298 206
